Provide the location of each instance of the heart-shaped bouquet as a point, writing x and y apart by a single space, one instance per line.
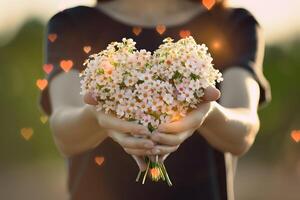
150 88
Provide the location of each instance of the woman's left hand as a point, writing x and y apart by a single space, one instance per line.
169 136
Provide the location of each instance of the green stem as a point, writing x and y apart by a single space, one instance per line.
138 176
166 174
162 173
145 175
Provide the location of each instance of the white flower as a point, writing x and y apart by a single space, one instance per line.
149 88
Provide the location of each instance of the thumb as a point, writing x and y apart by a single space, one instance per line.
211 94
89 99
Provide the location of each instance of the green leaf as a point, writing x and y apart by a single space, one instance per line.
150 127
177 75
194 76
99 87
100 71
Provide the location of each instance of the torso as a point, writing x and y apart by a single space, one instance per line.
197 170
167 14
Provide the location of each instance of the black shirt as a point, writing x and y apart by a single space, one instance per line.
197 170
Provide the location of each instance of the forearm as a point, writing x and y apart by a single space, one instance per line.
230 129
75 129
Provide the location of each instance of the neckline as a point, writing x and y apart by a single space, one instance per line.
172 26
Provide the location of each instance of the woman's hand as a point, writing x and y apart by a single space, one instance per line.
170 136
133 138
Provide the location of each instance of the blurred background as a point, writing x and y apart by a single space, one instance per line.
31 167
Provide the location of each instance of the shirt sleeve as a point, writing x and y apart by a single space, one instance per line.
62 47
248 50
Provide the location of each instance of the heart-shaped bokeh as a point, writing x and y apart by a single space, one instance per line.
41 83
66 65
87 49
99 160
52 37
44 119
48 68
208 3
27 133
296 135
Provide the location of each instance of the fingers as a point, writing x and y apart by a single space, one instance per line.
112 122
130 142
193 120
136 152
127 141
89 99
211 94
168 139
157 150
162 149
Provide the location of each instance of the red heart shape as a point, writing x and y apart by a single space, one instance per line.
160 29
41 83
52 37
99 160
48 68
87 49
296 135
136 30
184 33
66 65
208 3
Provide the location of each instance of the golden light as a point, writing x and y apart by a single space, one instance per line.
66 65
44 119
52 37
184 33
47 68
107 67
216 45
176 117
87 49
295 135
208 3
99 160
136 30
27 133
41 83
161 29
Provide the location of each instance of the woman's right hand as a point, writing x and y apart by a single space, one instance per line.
133 138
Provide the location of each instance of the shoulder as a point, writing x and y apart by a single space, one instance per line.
241 16
72 14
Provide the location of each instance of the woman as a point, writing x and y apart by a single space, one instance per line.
202 145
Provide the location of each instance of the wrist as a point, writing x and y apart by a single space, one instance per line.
89 111
211 116
90 114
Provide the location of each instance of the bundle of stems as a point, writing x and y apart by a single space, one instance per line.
156 170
